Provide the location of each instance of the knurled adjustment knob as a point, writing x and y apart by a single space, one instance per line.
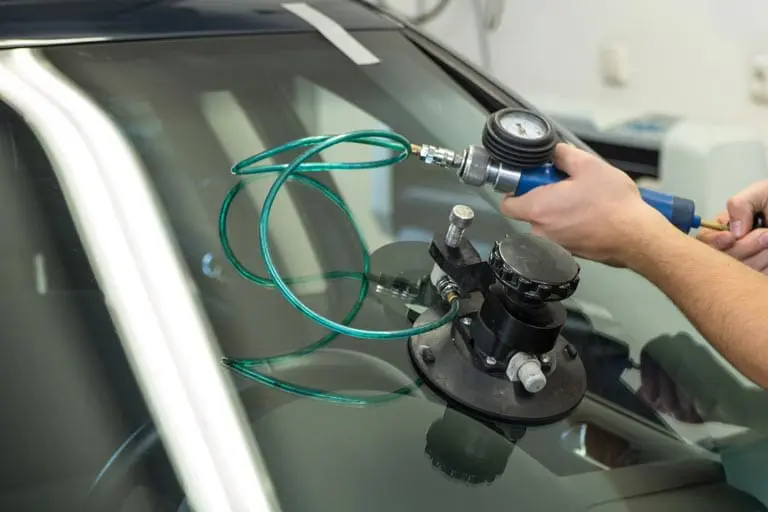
534 268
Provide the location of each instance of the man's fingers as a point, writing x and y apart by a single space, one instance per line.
743 206
520 208
722 217
759 261
720 240
572 160
755 242
529 206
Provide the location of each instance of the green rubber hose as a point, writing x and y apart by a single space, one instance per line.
293 172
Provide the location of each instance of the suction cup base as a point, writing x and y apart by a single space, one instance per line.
444 362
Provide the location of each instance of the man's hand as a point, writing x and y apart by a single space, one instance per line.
751 248
597 213
660 392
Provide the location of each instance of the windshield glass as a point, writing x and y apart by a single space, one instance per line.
193 108
71 405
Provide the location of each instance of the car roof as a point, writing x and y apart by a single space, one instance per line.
46 22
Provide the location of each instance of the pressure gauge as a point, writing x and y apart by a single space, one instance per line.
519 138
524 125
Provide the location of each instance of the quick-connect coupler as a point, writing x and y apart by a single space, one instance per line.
474 166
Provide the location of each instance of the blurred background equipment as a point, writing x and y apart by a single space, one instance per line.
703 60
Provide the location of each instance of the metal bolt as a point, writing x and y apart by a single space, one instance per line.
466 321
546 362
490 361
460 218
570 351
526 369
531 377
426 354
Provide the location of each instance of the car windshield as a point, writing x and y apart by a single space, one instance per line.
71 405
194 107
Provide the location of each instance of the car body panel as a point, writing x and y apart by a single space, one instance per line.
44 23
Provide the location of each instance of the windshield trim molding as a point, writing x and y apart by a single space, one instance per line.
146 287
484 88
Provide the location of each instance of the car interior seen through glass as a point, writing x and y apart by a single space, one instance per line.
69 398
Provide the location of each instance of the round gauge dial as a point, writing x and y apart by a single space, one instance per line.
519 138
524 125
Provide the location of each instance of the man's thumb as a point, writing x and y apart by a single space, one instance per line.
743 206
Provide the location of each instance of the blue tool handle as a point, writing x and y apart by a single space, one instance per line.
679 211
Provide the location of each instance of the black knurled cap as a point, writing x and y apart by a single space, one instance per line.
534 268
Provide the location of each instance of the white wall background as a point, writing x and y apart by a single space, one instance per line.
686 57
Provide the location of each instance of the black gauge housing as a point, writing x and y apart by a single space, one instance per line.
515 151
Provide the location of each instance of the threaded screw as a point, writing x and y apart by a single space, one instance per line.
460 219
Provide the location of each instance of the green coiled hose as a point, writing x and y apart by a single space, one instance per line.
292 171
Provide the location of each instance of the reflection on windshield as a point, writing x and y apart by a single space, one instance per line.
598 446
192 109
470 451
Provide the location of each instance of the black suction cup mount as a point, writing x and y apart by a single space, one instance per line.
504 357
519 138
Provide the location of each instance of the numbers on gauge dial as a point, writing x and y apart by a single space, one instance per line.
523 125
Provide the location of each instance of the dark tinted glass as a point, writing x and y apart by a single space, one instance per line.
68 397
192 108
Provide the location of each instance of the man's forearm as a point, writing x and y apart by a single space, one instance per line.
723 298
